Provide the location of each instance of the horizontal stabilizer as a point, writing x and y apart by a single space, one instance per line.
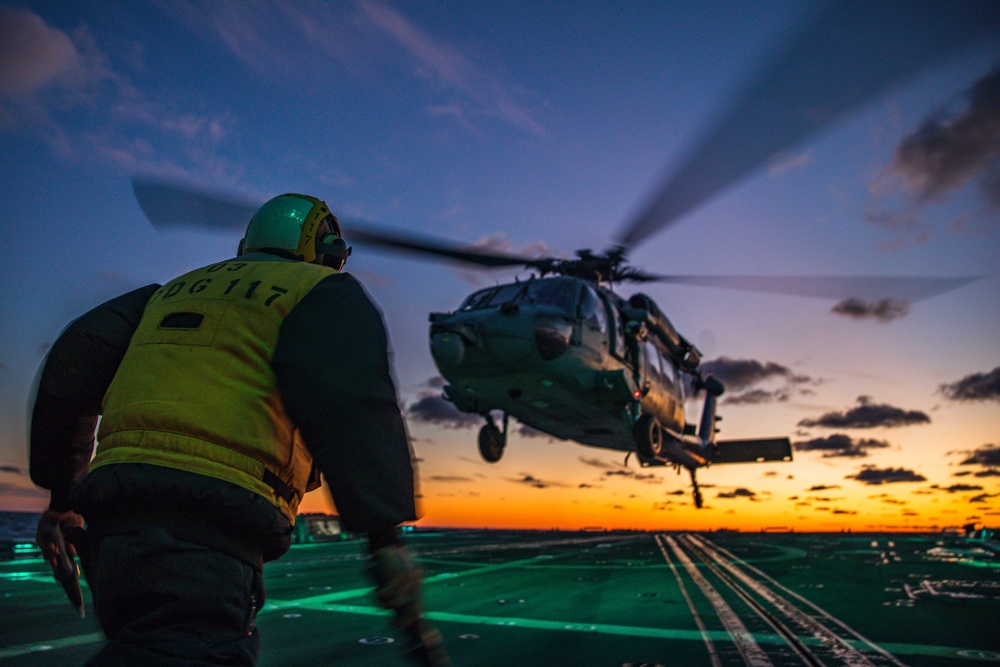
752 451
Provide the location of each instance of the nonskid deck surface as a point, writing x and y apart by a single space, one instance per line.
592 599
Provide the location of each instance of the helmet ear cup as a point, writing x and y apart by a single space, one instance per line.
334 250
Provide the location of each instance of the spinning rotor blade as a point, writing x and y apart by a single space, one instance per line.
855 50
168 204
422 245
911 289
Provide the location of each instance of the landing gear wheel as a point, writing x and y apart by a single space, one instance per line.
491 443
648 436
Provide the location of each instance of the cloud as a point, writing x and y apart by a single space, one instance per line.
738 493
62 87
781 162
840 445
946 152
882 310
955 147
823 487
314 40
483 94
957 488
442 412
739 374
987 455
498 243
743 378
650 478
616 470
33 55
873 476
598 463
974 387
450 478
18 491
534 482
868 415
526 431
758 397
983 497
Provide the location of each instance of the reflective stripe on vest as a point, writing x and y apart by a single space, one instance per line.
196 391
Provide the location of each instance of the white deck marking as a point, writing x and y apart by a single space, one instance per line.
874 647
713 656
744 640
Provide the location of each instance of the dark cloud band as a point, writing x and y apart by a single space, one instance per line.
868 415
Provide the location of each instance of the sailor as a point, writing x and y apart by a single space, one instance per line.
224 394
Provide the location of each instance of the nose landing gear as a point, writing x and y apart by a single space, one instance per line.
492 440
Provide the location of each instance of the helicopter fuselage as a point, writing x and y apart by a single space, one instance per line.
564 357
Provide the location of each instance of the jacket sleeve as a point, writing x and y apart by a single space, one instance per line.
74 377
333 369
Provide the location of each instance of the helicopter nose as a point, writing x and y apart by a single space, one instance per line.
507 336
447 348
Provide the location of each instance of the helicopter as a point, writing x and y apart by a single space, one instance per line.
561 351
564 354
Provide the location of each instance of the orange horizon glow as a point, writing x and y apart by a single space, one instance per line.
568 509
504 505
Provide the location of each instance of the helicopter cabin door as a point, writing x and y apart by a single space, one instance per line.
663 398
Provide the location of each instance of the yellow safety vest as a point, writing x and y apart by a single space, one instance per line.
195 390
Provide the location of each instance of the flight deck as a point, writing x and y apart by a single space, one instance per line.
593 599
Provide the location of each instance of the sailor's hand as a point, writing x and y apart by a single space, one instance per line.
46 537
397 579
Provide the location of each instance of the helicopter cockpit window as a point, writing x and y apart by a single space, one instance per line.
652 362
591 310
554 292
669 373
557 293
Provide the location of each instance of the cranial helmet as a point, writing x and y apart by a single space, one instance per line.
299 224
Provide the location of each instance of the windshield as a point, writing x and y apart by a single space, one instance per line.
552 291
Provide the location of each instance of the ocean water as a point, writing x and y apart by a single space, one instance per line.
18 526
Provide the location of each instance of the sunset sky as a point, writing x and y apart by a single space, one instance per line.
544 127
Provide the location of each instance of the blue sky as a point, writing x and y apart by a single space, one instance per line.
535 127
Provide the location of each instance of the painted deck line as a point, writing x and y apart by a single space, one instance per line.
864 642
709 645
744 641
646 632
50 645
327 598
539 624
847 652
952 652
